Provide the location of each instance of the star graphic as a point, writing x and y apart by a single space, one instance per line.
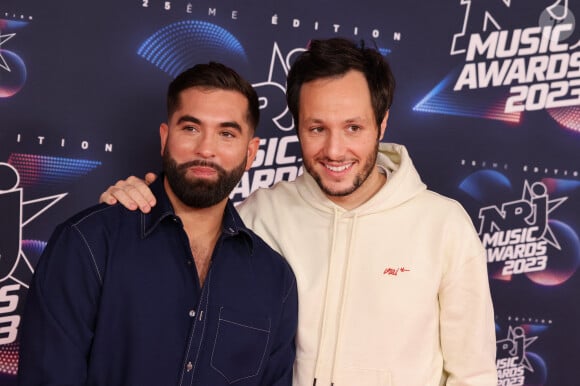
23 269
4 39
528 194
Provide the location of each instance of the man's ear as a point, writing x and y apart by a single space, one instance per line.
163 133
383 127
252 151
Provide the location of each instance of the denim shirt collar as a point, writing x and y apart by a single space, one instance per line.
232 224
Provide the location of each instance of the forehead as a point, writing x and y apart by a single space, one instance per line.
216 103
345 94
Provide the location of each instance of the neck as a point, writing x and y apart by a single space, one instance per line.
203 229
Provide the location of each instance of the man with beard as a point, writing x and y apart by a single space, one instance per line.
391 277
185 294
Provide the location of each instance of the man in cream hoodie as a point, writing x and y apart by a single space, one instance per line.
392 281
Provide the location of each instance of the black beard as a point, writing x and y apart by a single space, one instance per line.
198 193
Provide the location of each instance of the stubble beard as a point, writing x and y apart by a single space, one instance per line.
357 182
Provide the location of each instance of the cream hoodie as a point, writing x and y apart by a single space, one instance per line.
392 293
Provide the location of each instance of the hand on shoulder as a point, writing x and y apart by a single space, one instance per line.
133 193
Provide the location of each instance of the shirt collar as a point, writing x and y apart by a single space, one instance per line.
232 223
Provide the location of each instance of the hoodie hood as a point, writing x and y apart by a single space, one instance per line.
403 183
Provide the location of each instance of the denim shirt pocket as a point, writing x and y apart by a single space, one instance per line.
240 345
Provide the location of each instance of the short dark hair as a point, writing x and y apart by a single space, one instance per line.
335 57
214 75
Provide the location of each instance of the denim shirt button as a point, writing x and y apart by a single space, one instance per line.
192 313
189 367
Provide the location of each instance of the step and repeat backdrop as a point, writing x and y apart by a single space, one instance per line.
488 103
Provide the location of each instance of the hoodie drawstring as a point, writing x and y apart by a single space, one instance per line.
343 296
323 326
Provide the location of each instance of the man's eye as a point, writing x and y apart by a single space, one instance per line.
190 128
317 129
228 134
354 128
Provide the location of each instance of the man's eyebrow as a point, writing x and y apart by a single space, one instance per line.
232 124
227 124
188 118
347 120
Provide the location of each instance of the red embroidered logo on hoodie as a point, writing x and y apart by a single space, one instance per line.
395 271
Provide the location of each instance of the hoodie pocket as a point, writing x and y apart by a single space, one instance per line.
240 345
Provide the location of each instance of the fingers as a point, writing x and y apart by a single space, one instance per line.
132 193
143 195
150 177
107 198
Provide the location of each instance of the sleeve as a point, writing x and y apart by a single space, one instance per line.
466 311
278 371
59 315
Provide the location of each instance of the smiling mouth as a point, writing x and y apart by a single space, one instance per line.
338 168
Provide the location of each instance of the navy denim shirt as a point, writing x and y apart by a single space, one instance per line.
116 300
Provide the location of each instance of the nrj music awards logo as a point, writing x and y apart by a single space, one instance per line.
516 365
522 237
507 70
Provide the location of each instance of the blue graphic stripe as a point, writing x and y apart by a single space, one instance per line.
443 100
179 45
36 169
